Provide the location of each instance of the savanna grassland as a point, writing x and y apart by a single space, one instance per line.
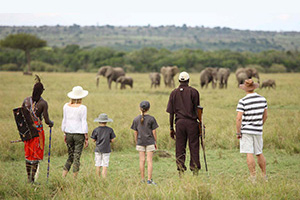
228 172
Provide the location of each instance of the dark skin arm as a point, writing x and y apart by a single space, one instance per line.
172 131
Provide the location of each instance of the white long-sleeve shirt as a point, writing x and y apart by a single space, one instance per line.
74 119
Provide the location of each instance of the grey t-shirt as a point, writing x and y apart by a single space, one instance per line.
103 135
145 136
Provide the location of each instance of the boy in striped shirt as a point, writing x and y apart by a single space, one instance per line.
251 115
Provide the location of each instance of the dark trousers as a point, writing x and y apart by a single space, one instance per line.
187 130
75 144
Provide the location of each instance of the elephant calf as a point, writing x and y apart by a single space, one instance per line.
268 83
125 80
155 79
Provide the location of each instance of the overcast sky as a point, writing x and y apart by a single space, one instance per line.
268 15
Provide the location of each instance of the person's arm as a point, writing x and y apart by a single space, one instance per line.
86 141
155 138
265 116
46 115
112 140
135 136
238 124
172 131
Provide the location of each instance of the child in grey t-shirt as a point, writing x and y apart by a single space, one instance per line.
144 127
103 136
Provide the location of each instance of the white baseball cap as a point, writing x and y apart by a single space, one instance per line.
183 76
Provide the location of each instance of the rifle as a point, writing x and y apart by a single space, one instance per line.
202 132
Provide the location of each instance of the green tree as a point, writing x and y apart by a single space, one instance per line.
25 42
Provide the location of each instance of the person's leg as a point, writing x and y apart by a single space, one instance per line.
261 160
258 149
251 164
181 140
149 164
104 172
142 164
98 170
34 171
28 170
193 137
105 163
78 143
71 147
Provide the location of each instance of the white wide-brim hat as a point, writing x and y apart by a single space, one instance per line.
103 118
78 93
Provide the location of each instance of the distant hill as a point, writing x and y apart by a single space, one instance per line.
169 37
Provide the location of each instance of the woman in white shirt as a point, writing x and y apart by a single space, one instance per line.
75 127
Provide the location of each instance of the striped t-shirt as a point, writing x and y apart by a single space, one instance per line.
253 106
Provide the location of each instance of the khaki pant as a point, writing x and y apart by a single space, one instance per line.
75 144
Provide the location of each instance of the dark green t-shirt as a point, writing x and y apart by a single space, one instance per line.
103 135
145 136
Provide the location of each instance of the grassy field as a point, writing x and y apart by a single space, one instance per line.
228 170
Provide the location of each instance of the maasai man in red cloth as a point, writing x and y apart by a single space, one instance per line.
34 148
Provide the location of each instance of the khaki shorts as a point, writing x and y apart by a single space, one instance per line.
147 148
101 159
251 144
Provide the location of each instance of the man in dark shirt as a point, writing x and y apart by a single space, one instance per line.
183 103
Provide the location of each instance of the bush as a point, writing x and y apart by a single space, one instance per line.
277 68
10 67
43 67
258 67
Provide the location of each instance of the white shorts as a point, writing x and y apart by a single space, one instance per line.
251 144
101 159
147 148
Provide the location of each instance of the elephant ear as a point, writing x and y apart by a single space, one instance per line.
163 70
109 71
175 70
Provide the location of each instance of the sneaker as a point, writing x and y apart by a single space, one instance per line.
151 182
266 178
252 179
143 181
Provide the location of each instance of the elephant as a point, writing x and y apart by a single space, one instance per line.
222 76
155 79
241 77
208 75
110 73
125 80
268 83
250 72
168 74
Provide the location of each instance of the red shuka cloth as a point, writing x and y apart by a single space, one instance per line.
34 148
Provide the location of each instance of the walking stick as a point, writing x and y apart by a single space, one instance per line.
49 152
202 133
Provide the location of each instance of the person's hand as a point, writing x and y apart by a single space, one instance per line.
239 135
156 147
65 139
51 124
173 134
86 143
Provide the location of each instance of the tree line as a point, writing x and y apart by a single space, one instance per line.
73 58
129 38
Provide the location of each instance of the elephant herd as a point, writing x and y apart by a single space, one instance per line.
208 75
